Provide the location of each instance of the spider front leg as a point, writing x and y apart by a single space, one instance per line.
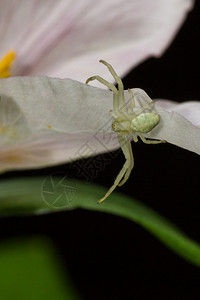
112 88
121 99
127 167
118 94
104 82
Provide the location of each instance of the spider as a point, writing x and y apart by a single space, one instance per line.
127 122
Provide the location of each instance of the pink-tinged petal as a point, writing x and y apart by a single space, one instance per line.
47 121
66 38
142 30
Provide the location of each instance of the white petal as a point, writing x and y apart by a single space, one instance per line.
189 109
66 38
46 121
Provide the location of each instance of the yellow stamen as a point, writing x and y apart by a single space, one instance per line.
6 63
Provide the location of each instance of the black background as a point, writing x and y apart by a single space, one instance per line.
110 257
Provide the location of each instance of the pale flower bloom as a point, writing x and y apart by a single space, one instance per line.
46 121
66 38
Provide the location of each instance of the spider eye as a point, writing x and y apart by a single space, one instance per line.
114 126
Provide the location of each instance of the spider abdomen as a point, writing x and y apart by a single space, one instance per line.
145 122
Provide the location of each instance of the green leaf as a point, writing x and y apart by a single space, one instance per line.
38 195
29 269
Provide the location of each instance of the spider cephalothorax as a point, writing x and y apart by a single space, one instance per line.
126 122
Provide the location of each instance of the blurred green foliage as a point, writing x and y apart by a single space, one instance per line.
30 269
37 195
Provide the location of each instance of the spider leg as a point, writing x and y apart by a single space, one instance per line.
127 150
103 81
135 138
150 141
139 111
132 98
112 88
119 82
127 167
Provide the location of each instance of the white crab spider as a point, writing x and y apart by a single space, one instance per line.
126 121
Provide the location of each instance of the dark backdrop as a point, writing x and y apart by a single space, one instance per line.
110 257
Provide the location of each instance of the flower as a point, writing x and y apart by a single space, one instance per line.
46 121
67 38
